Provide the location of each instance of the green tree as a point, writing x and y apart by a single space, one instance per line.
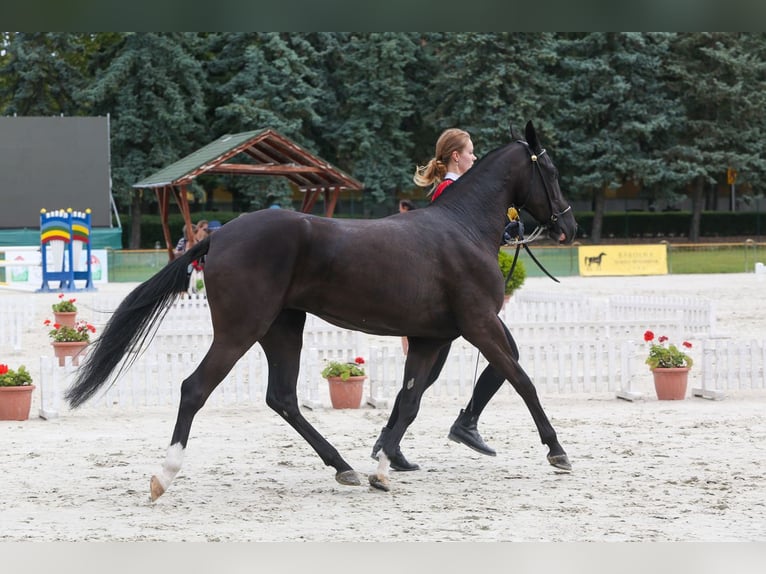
265 80
488 81
372 101
151 86
719 79
613 109
41 73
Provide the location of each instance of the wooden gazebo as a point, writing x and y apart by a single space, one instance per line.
261 152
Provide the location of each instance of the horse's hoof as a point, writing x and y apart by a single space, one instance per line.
560 461
348 478
380 482
156 488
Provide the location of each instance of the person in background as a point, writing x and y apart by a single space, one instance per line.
406 205
200 231
454 155
272 202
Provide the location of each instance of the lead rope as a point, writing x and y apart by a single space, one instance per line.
514 235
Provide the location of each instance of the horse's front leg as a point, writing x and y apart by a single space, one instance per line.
424 361
282 346
496 344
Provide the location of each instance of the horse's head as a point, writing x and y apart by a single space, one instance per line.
544 200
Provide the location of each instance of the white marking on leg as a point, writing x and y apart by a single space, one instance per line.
383 464
410 383
172 465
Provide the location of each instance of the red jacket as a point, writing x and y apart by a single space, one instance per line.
441 187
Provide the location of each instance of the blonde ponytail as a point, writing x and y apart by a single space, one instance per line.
430 174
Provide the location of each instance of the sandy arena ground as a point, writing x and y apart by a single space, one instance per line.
692 470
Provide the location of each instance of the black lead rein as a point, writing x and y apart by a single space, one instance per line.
516 257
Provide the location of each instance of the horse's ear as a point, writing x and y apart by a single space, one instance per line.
532 136
514 136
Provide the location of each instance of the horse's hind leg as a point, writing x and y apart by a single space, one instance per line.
282 345
195 390
425 359
397 459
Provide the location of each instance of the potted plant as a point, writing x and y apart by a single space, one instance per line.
504 260
670 367
69 341
65 311
346 382
15 393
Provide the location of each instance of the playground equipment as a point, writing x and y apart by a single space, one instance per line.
63 236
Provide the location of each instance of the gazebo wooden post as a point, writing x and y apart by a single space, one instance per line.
309 199
163 199
183 204
331 198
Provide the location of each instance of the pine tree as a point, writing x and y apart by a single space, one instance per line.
151 86
613 109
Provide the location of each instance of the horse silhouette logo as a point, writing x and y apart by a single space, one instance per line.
590 261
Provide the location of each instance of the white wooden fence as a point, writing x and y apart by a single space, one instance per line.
568 344
17 314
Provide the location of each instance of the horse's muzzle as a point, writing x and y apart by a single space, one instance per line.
564 229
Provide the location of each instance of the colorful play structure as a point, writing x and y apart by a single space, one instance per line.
64 236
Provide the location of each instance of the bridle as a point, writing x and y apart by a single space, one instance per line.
513 234
548 195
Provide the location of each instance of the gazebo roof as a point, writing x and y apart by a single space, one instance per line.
267 153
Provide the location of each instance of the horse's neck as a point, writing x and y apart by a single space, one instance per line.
477 203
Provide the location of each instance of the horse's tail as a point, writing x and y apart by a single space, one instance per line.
131 324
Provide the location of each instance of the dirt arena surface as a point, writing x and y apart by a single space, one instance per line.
692 470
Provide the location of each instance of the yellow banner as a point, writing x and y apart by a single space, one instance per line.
623 260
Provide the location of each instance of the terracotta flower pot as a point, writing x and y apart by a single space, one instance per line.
15 402
670 384
346 394
65 318
72 349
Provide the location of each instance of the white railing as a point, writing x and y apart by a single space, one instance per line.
563 367
589 350
17 315
729 365
696 316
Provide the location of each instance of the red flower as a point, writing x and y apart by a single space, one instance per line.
359 361
61 295
57 325
687 344
3 369
47 322
648 336
91 328
662 339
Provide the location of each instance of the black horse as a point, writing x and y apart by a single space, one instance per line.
430 274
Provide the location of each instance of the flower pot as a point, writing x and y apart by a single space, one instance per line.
346 394
72 349
15 402
65 318
670 384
